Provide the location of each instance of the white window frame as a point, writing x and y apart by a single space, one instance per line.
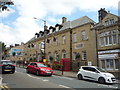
75 37
106 68
56 42
84 35
64 54
84 55
63 39
49 54
105 36
74 55
56 56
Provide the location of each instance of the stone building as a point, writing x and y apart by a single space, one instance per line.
71 43
16 52
108 41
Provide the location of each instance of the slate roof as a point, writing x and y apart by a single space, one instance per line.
78 22
72 24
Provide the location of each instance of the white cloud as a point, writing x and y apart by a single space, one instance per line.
26 26
7 34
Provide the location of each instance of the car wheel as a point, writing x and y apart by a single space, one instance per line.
37 73
13 72
101 80
50 75
27 71
80 77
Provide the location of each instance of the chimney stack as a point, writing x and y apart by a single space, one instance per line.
101 14
45 27
64 19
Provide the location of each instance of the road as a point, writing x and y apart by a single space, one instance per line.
20 79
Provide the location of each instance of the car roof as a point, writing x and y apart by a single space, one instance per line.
89 66
37 62
5 60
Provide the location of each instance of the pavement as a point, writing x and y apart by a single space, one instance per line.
68 74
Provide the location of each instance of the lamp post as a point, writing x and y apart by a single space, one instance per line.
44 34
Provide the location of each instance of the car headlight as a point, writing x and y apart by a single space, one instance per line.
42 69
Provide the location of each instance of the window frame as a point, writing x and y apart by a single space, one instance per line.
84 36
75 37
63 39
84 55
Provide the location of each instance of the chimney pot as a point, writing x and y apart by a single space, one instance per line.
64 19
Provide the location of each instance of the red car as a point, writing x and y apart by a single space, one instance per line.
39 69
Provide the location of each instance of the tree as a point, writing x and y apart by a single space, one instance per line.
4 4
2 46
2 50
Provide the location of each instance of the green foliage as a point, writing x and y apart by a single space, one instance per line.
77 56
51 58
56 66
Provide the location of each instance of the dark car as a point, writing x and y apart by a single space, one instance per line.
39 69
7 66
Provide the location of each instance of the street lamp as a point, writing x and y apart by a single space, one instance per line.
44 34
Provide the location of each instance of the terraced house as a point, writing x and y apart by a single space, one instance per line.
108 41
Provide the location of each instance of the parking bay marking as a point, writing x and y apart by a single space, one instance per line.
109 86
64 86
64 77
37 78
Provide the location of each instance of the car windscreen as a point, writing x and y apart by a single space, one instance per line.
41 65
101 70
6 62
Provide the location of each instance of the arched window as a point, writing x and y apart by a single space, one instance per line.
63 54
56 56
49 55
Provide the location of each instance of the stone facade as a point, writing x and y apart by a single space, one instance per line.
108 42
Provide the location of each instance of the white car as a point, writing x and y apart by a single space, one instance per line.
96 74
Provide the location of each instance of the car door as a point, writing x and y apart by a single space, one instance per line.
34 68
31 67
93 73
86 72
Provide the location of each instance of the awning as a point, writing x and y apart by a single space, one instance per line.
108 56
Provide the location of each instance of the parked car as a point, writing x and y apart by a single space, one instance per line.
39 69
96 74
7 66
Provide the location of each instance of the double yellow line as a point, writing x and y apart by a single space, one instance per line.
4 87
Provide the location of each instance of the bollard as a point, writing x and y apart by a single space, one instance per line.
62 69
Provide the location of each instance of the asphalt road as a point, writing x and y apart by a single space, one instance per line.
20 79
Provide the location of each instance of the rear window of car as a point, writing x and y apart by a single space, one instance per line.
6 62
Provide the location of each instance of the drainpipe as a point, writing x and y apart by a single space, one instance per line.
97 47
71 45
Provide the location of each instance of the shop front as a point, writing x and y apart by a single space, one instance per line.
109 60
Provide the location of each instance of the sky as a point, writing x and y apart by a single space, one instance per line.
18 24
